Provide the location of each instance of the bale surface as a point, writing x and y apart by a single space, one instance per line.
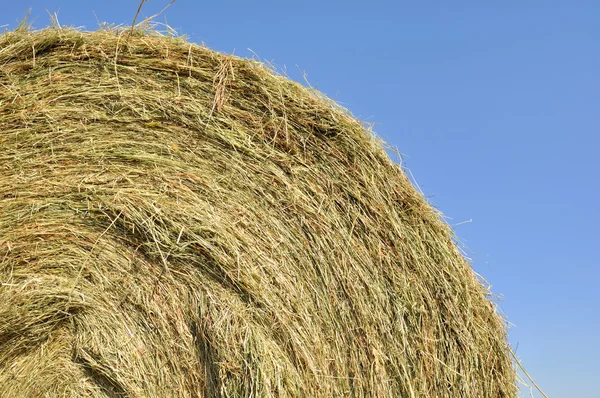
179 222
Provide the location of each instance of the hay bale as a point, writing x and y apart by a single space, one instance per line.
179 222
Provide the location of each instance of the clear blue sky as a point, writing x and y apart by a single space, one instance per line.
497 111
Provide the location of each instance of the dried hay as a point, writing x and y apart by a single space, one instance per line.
179 222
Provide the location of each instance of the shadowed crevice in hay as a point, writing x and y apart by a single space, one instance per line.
179 222
104 378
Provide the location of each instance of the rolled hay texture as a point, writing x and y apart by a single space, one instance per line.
179 222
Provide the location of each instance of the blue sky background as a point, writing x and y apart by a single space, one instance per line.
496 108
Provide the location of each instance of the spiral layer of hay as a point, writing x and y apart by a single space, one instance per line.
179 222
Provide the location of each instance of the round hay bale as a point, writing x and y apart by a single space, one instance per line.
179 222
